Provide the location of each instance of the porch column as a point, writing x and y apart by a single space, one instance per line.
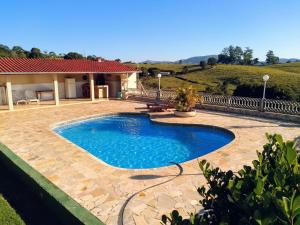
92 86
56 92
9 93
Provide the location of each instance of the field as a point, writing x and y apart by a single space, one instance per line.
284 76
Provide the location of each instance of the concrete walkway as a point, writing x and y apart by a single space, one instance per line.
119 196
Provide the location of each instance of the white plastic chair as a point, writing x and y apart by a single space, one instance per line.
18 97
31 96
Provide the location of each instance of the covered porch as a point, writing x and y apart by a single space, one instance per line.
49 104
61 89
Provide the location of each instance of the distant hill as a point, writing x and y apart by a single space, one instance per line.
197 59
156 62
284 60
191 60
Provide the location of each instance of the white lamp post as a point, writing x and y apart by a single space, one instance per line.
265 78
158 92
159 76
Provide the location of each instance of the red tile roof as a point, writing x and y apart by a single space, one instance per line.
24 65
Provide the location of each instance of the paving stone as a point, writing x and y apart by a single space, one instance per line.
104 189
139 220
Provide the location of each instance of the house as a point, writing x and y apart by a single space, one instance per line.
50 78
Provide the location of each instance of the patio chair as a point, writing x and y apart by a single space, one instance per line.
159 108
18 97
31 96
169 103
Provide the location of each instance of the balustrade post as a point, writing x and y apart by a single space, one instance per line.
228 101
262 105
158 95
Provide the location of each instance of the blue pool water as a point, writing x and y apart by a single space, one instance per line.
135 142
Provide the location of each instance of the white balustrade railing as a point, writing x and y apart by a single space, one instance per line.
269 105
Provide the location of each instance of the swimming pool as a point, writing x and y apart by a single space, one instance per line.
135 142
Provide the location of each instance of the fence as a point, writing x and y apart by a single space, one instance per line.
266 105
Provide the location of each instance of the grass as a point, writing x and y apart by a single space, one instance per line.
285 76
8 215
35 198
175 67
18 205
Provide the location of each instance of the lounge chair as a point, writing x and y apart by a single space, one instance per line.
31 96
163 104
18 97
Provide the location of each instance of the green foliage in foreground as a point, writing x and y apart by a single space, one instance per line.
224 79
8 215
266 193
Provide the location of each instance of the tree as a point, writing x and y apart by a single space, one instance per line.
203 64
35 53
92 57
212 61
255 61
73 55
247 56
237 55
52 55
153 71
144 72
18 52
271 58
4 51
223 58
231 55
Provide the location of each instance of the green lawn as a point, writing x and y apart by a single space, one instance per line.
8 215
19 206
285 76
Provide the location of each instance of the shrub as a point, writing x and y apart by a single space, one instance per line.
203 64
212 61
153 71
144 72
185 69
266 193
186 99
256 91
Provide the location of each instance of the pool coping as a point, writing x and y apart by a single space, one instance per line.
54 198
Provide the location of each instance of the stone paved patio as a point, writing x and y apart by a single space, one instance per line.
105 190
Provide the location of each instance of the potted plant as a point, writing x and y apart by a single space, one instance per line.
185 102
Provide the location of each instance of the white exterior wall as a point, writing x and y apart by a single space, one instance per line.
132 81
49 86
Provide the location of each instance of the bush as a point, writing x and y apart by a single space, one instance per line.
153 71
212 61
203 64
256 91
186 99
144 72
185 69
266 193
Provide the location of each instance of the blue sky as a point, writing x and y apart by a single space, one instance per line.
152 29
